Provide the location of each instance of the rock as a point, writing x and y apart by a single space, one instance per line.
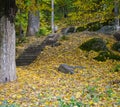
52 40
68 30
117 36
55 28
104 55
56 44
116 46
80 29
71 29
94 26
68 69
107 30
96 44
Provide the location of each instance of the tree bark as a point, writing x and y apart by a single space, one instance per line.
52 17
7 50
116 11
33 24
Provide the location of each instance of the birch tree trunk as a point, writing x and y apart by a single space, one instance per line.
116 12
52 17
7 50
33 24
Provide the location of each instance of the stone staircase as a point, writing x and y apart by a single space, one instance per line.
31 53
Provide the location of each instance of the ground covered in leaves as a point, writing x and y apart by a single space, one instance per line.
42 85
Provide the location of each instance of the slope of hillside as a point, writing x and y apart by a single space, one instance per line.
41 84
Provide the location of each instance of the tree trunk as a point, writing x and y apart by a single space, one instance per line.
52 17
65 12
7 50
116 11
33 24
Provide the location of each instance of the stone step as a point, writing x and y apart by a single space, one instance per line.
22 63
27 57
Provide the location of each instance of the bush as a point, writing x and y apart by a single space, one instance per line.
43 31
96 44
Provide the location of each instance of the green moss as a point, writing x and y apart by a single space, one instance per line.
79 29
116 46
94 26
96 44
64 37
104 55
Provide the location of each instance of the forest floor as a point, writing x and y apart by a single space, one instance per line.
41 84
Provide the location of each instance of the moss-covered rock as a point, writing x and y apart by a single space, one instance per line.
94 26
96 44
104 55
80 29
116 35
116 46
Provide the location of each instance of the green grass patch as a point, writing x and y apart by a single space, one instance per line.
6 104
116 68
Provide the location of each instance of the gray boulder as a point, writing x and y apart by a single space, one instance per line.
107 30
64 68
116 46
68 30
96 44
117 36
52 39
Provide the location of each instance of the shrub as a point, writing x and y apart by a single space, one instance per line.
43 31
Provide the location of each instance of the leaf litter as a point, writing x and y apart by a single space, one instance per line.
41 84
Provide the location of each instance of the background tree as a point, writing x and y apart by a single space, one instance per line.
35 10
85 12
116 13
33 23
